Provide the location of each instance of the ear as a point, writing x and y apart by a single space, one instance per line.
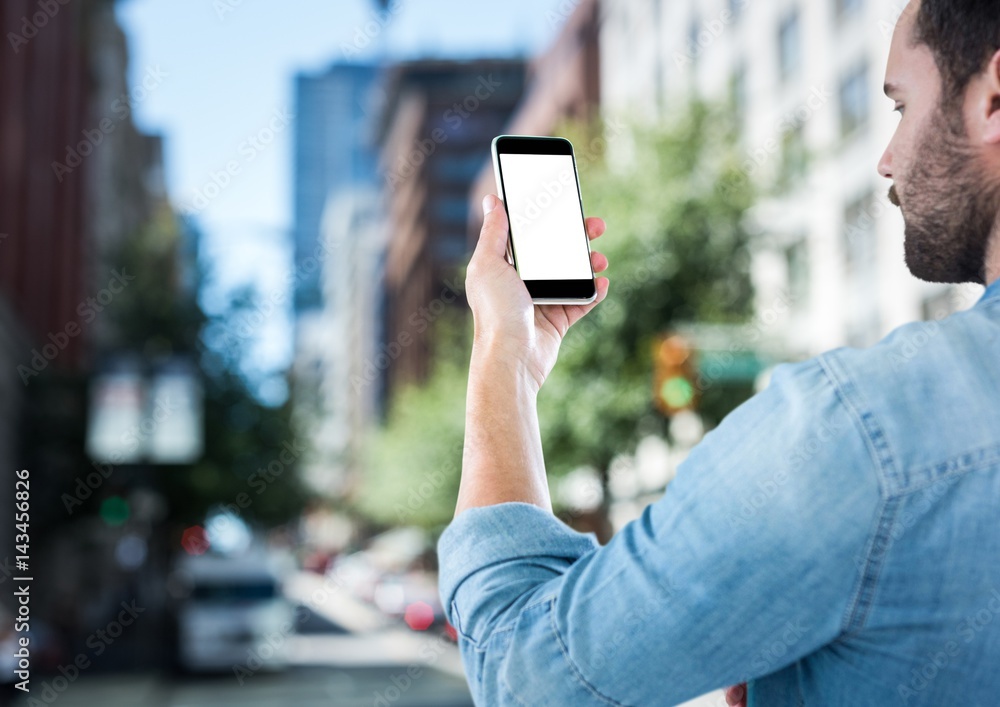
989 102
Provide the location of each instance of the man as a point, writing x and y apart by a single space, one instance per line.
867 569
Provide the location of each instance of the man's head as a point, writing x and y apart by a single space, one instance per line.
944 159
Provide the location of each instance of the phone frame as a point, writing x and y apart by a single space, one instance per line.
544 291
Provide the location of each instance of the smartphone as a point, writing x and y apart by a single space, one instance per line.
547 241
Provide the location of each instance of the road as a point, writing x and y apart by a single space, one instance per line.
345 655
304 686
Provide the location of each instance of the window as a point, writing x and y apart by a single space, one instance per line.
789 45
793 155
694 49
739 91
861 271
458 167
797 262
859 237
854 101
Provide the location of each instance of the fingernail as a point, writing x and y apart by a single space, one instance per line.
487 204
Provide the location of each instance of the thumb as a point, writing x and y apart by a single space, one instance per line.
493 237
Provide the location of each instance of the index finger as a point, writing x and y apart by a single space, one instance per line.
595 227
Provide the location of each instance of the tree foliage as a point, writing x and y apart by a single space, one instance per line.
413 461
679 253
243 437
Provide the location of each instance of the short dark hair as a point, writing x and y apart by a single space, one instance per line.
962 34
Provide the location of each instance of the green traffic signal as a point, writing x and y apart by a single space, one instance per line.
114 510
677 392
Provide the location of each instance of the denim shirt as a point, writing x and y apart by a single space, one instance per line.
834 541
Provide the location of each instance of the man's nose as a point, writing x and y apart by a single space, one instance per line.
885 163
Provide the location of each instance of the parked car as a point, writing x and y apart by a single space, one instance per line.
231 612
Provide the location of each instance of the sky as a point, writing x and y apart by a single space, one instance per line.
220 72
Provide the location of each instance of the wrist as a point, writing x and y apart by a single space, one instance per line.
495 359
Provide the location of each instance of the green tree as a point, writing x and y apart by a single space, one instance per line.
413 461
157 319
678 250
679 253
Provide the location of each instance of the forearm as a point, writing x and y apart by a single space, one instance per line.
502 459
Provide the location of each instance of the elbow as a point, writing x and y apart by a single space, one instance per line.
478 615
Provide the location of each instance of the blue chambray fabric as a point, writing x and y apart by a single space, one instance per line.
835 541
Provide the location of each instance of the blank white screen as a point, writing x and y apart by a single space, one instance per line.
550 242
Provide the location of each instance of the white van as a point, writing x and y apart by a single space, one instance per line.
231 612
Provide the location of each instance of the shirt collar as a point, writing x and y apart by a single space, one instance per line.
992 292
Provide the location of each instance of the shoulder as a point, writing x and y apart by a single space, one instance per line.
927 392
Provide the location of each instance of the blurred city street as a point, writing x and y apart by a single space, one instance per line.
234 329
366 660
306 686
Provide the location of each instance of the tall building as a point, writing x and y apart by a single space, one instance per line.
806 81
562 83
77 179
391 235
338 354
333 152
337 256
437 120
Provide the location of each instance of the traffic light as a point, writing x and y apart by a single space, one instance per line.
675 374
115 510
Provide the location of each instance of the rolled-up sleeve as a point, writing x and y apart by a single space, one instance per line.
749 561
498 555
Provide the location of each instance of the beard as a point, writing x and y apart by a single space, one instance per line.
949 205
